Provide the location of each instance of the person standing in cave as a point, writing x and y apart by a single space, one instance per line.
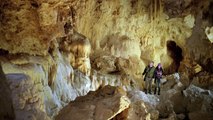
158 76
149 75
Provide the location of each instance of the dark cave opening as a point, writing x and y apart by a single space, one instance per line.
3 52
208 66
175 52
208 14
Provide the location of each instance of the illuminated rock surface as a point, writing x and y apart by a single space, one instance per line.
103 104
54 51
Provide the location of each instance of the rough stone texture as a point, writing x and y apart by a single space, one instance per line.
142 106
166 105
105 64
128 30
203 80
40 39
116 26
177 103
78 47
53 81
138 111
111 64
121 46
180 8
200 44
170 82
137 95
200 115
209 33
29 26
6 111
27 98
103 104
142 22
199 100
51 77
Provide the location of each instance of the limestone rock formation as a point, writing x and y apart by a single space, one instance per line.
121 46
209 33
53 51
78 48
6 111
30 26
105 64
138 111
150 23
49 80
191 103
103 104
132 66
203 80
47 84
142 106
173 103
199 101
27 98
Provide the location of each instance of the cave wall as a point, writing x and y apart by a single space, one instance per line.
28 26
150 24
115 40
112 26
7 111
41 86
135 19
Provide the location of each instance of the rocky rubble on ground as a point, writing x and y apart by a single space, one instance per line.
111 103
199 103
103 104
183 101
176 102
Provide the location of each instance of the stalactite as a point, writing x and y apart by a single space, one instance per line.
151 11
160 8
155 9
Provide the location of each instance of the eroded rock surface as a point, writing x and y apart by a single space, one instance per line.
103 104
27 98
30 26
184 102
199 101
58 50
7 110
47 84
78 48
